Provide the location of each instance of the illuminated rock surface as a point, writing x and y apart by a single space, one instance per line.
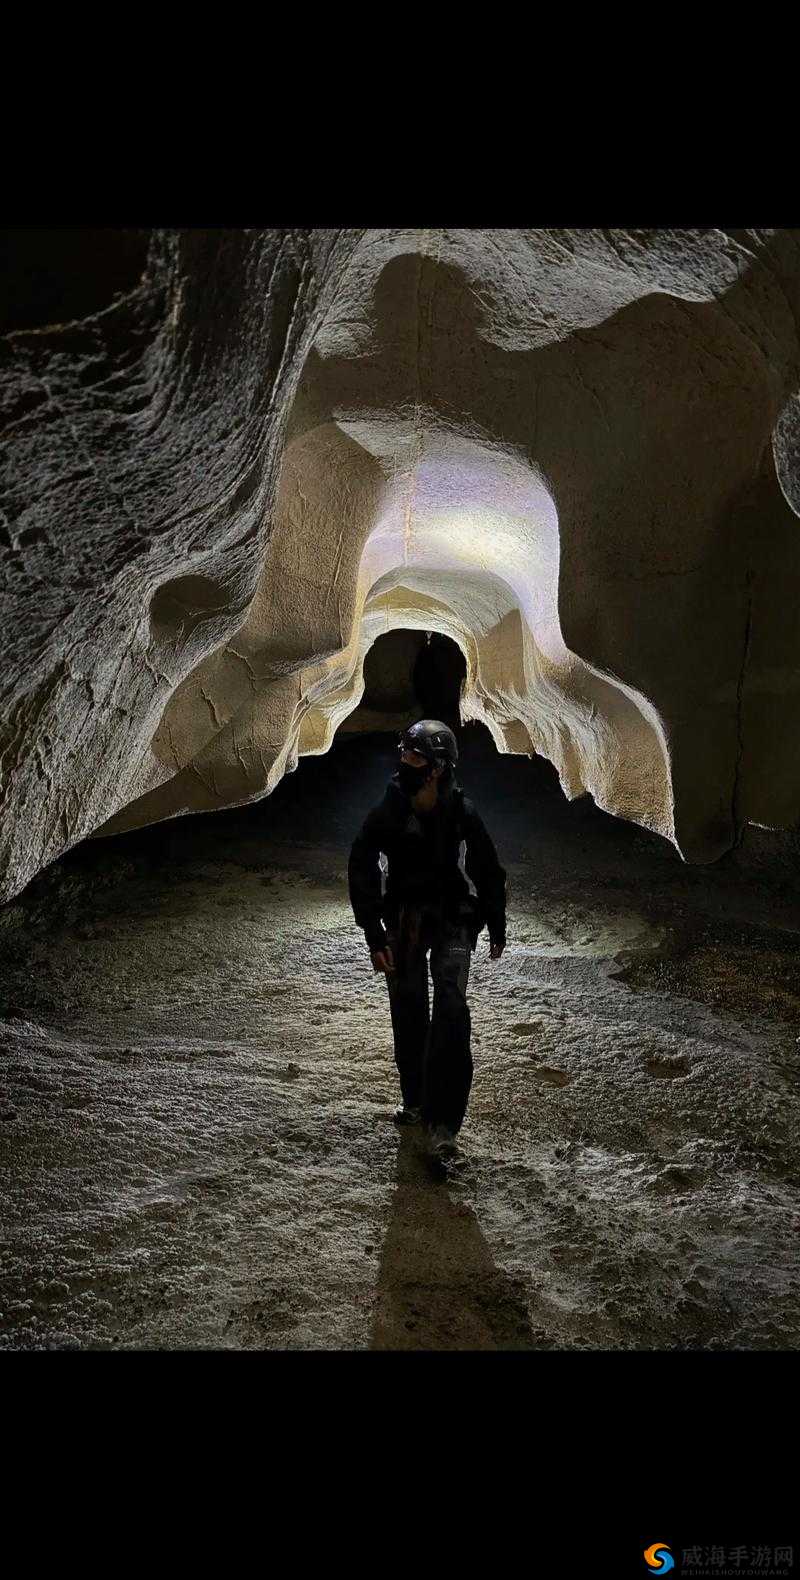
574 453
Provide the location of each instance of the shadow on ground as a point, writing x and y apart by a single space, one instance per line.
438 1286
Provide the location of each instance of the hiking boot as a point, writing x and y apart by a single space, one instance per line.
407 1116
442 1144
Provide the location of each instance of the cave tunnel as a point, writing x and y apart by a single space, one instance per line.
273 497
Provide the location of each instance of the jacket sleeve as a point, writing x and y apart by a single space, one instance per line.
364 880
482 866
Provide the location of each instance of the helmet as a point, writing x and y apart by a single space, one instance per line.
433 739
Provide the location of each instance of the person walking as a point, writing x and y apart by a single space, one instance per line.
427 906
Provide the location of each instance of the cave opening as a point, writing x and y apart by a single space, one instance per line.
323 796
408 674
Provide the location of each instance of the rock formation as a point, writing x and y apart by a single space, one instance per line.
577 454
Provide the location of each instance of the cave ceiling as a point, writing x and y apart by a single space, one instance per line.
233 459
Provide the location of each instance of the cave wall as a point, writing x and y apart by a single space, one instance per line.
575 453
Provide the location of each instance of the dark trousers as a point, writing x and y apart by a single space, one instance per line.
432 1053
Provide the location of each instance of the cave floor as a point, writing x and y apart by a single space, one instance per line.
196 1090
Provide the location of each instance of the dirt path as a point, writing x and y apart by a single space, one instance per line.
196 1088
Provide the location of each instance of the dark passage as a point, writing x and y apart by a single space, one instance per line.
438 673
410 673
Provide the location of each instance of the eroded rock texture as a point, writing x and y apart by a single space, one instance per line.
574 453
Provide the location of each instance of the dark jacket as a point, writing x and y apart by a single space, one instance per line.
422 853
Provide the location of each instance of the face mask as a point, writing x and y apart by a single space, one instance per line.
412 779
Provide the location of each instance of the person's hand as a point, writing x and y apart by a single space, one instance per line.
495 951
382 959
